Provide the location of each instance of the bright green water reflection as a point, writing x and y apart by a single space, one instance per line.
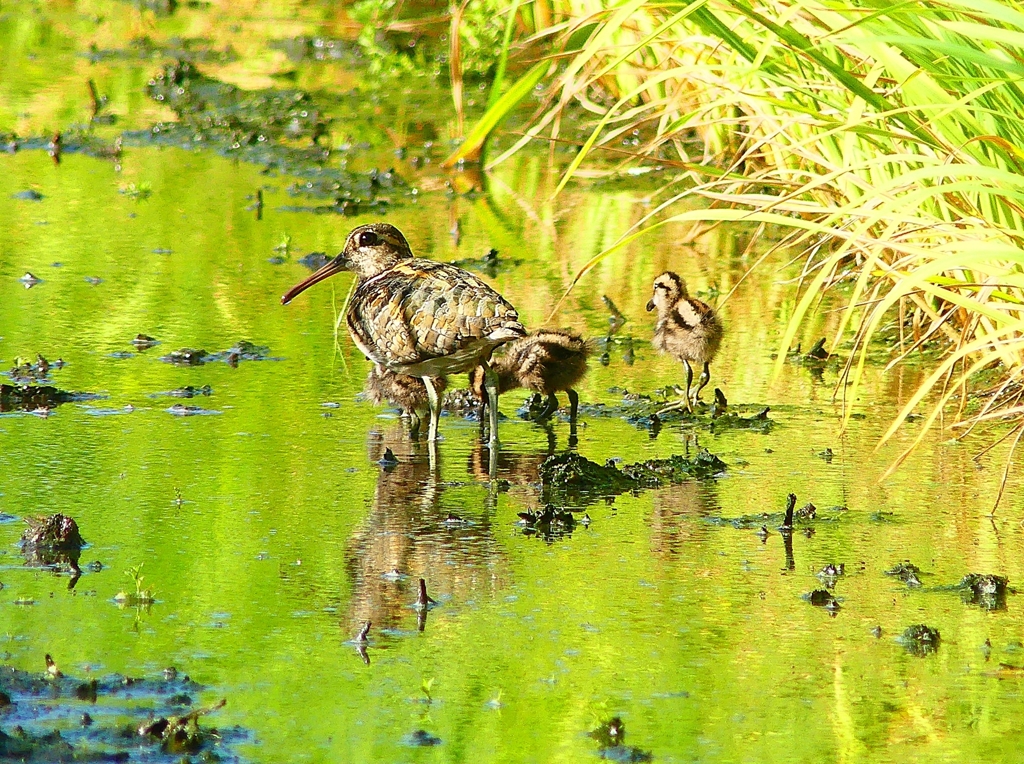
693 632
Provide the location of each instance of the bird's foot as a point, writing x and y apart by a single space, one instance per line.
684 403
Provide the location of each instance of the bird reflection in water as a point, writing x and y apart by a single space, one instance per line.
419 526
674 510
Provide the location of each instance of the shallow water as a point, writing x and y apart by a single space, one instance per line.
266 530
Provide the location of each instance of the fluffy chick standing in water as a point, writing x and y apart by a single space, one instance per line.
402 390
687 329
547 361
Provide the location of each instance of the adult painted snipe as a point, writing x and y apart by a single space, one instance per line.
687 329
419 317
547 361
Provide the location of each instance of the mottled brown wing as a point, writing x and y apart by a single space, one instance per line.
421 309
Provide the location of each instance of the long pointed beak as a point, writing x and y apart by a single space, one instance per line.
334 266
650 303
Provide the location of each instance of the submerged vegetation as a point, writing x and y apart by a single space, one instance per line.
883 137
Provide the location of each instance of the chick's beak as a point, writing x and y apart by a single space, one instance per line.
336 265
650 303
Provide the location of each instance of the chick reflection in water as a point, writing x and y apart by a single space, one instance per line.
419 526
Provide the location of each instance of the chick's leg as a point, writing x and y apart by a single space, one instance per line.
574 405
550 407
689 383
705 377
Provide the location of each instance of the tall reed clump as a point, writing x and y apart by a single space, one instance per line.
888 137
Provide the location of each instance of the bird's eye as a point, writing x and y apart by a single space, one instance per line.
368 239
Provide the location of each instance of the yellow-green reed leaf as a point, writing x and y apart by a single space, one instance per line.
995 294
646 40
874 256
890 11
917 85
705 215
943 369
499 74
596 132
805 46
713 26
978 32
936 411
992 10
597 42
958 51
472 148
1013 411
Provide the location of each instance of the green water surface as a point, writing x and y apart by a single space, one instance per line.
266 528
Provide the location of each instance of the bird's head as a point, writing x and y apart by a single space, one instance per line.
668 288
369 250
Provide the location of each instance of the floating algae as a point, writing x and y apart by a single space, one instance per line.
569 477
146 720
242 350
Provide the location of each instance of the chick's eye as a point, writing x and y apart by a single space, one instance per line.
368 239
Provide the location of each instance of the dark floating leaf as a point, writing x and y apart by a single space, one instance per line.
824 599
243 350
185 392
186 357
611 740
389 459
314 260
830 574
43 714
142 341
920 639
985 590
421 739
56 531
36 398
906 572
180 409
550 523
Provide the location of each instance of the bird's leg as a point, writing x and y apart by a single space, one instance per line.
435 408
414 425
574 405
491 386
550 407
705 377
689 382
